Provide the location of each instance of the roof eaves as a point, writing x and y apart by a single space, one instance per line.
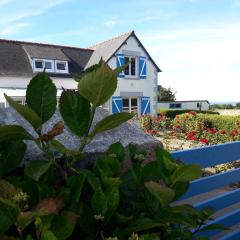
45 44
132 34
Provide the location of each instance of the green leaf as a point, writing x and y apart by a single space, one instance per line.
180 188
76 183
141 224
9 212
186 173
35 169
98 86
5 222
64 225
11 155
25 112
110 122
48 235
120 218
75 111
166 163
164 194
26 218
86 223
41 96
93 180
99 202
117 149
214 226
13 133
113 199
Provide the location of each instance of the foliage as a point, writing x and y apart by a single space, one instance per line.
173 113
52 199
166 94
223 106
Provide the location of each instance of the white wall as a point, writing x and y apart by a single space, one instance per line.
9 84
147 86
22 82
185 105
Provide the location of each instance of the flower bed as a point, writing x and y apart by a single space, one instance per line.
200 128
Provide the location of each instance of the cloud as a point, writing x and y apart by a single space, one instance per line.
13 29
199 62
4 2
110 23
235 3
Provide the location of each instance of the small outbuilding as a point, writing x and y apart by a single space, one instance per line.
201 105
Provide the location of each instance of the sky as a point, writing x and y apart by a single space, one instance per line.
196 43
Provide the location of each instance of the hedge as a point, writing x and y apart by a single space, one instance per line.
173 113
228 123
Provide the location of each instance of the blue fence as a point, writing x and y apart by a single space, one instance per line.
208 157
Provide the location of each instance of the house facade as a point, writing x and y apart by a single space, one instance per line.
137 84
201 105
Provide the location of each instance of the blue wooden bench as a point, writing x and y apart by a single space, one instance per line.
207 157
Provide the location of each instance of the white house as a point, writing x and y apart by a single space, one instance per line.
182 105
137 84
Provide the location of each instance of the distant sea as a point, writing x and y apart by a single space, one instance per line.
233 103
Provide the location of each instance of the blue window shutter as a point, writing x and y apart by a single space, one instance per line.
142 67
120 62
117 104
145 105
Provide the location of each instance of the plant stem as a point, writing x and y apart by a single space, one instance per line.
85 139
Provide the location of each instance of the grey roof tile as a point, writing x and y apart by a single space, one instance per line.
106 49
45 52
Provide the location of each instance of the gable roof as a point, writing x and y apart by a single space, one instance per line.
107 49
15 57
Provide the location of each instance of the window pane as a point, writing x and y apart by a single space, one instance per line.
133 66
126 71
61 66
38 64
48 65
134 102
125 105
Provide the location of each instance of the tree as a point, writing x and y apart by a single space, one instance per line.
238 105
166 94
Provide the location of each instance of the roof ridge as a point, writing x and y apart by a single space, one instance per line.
108 40
43 44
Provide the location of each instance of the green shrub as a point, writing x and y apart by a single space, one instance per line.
52 199
173 113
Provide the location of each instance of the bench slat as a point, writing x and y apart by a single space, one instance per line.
235 235
210 155
222 201
228 220
207 184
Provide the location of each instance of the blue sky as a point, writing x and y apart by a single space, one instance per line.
195 42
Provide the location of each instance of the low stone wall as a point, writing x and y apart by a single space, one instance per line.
126 133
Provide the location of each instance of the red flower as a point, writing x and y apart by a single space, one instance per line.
177 126
212 130
222 132
186 117
192 135
204 140
234 133
192 113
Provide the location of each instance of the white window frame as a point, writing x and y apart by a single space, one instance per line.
130 104
129 66
61 71
43 61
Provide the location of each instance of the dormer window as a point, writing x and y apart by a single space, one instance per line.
40 64
53 66
61 66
